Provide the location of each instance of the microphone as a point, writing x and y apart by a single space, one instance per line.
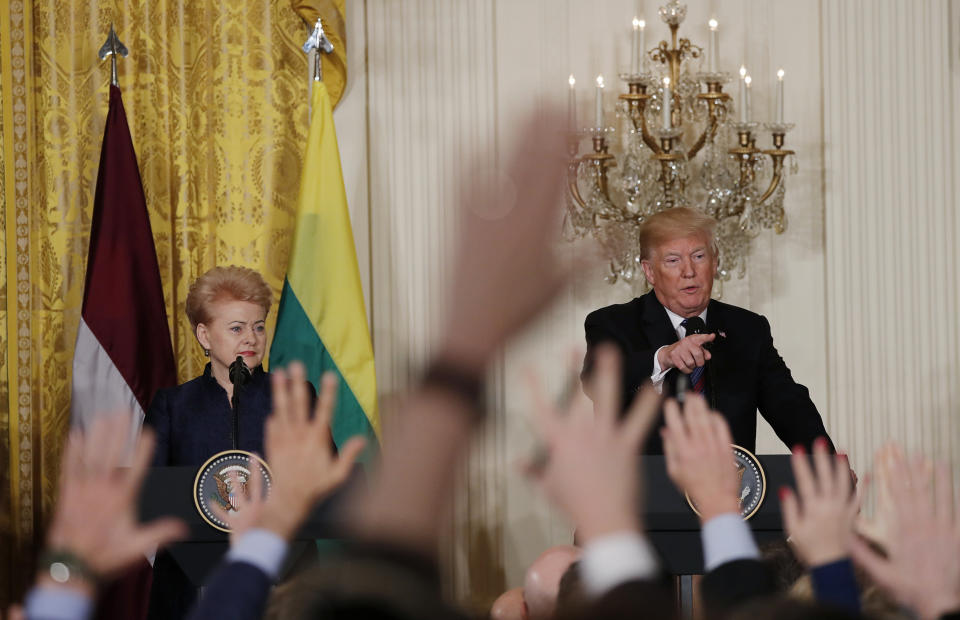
695 325
239 373
239 376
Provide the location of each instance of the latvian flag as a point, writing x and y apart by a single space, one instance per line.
123 352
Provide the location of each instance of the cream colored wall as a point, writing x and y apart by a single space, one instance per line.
893 286
437 85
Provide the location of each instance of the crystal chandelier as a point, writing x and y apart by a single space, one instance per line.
680 146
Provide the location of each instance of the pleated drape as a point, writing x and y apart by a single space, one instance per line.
216 93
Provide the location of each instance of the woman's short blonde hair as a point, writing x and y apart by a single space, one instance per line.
231 282
676 223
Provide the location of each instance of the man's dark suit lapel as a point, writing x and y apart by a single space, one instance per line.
717 366
656 322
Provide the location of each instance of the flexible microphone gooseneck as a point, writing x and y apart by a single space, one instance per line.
239 376
695 325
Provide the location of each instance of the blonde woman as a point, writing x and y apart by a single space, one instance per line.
227 308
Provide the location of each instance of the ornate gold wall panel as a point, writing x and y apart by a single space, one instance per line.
6 537
18 146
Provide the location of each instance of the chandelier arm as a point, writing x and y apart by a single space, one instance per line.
648 139
573 173
777 156
709 133
601 161
774 182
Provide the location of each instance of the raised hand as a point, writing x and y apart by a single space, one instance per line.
249 507
922 567
700 461
505 271
299 450
819 517
96 511
503 275
590 468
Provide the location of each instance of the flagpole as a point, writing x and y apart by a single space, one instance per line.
113 47
317 42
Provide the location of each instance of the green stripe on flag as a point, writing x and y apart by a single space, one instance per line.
322 320
301 343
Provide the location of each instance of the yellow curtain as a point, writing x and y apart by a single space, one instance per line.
216 98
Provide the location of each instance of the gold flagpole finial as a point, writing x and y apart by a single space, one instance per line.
318 41
112 47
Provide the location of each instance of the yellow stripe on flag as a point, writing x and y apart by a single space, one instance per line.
323 270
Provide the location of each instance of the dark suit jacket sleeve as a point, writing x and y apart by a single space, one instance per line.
600 327
835 584
237 590
783 402
734 583
158 418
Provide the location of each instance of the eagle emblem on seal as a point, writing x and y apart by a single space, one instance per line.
231 483
224 481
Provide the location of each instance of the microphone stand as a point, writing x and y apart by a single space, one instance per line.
239 375
708 367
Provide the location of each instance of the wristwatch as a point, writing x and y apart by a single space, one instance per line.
66 567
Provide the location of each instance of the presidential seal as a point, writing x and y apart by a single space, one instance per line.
223 480
753 483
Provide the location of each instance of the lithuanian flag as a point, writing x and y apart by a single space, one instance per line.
322 320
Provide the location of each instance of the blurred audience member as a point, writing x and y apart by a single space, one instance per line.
700 462
509 606
921 567
782 563
819 520
541 583
504 274
95 532
780 608
590 469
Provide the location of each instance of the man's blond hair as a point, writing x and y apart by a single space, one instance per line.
677 223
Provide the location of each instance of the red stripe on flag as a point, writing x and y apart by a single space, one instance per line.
123 296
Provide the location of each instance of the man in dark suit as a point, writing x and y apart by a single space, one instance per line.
676 331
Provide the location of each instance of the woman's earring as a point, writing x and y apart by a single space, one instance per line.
206 352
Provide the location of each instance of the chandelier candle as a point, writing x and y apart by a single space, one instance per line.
635 47
743 94
714 46
779 113
667 97
599 110
746 105
641 62
572 104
